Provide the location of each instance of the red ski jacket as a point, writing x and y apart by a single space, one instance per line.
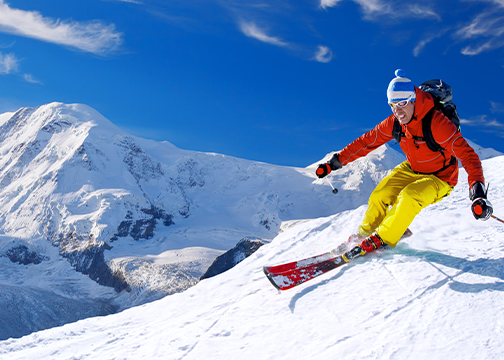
420 157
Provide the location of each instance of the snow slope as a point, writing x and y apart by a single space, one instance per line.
91 214
437 295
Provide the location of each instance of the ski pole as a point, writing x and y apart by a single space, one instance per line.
496 218
334 191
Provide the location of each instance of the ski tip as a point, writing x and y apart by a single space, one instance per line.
266 270
270 277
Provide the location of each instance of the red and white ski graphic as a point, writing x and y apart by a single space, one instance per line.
289 275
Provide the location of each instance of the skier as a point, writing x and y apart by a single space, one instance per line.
426 177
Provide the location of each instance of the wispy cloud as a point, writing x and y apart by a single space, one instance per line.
8 64
329 3
483 122
374 6
367 6
31 79
423 12
495 2
421 45
94 36
183 22
128 1
323 54
250 29
496 107
487 26
428 39
485 32
131 1
373 9
6 46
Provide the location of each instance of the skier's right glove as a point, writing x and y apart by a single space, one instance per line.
325 169
480 207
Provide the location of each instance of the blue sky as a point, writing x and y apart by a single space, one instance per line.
283 82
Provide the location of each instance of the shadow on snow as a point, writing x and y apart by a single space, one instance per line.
483 267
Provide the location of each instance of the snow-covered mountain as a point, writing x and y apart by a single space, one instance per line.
437 295
96 220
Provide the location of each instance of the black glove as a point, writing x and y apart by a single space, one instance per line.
480 207
334 163
325 169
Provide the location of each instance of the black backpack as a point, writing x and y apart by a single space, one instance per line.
442 94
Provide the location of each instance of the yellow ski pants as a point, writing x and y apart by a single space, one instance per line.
397 199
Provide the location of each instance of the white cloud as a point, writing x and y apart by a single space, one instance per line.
420 46
489 26
93 36
423 12
368 6
478 49
251 30
422 43
496 2
482 121
496 107
494 123
329 3
30 79
485 24
323 54
375 8
8 63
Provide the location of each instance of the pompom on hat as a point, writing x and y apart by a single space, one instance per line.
401 88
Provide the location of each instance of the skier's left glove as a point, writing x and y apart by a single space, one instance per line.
480 207
325 169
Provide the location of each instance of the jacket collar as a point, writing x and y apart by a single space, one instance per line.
423 103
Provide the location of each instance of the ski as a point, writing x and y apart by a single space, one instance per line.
286 276
290 278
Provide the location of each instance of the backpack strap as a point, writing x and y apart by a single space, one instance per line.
431 143
397 133
427 132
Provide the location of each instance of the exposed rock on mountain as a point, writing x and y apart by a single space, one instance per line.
21 255
242 250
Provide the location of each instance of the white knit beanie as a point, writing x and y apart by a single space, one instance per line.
400 88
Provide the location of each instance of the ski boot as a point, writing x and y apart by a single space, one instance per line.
369 244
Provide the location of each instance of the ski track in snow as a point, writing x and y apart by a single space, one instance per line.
437 295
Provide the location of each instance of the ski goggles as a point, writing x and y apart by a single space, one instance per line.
402 103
